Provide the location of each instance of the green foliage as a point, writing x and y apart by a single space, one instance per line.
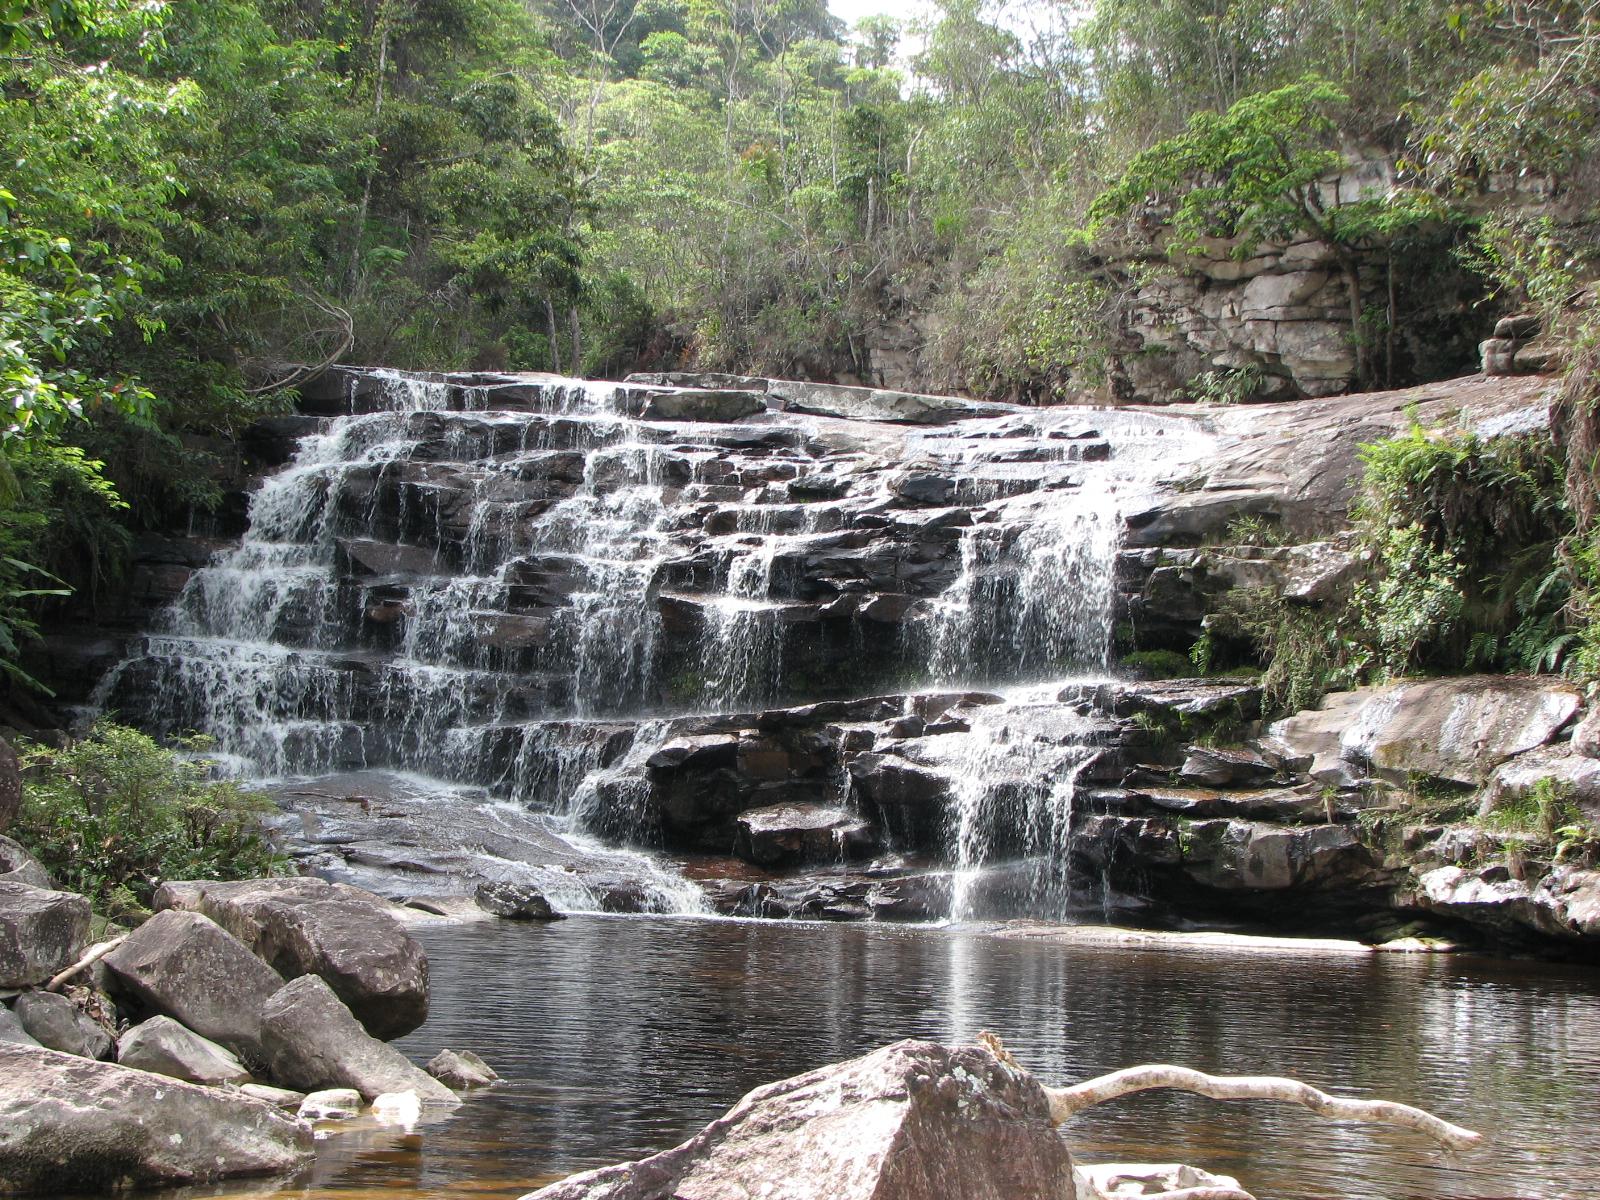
1157 664
1304 651
1256 529
113 815
1232 386
1539 812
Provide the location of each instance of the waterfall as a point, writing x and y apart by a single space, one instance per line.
513 585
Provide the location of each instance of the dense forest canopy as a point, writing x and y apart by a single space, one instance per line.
198 197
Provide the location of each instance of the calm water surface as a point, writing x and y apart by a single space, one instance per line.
622 1036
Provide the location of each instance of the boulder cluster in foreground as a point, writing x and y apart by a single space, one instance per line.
202 1044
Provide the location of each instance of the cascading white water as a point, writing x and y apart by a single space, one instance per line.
476 593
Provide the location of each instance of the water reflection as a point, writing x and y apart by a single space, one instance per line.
622 1036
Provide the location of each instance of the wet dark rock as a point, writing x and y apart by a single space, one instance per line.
304 926
69 1124
1212 767
312 1041
41 932
164 1047
461 1069
913 1121
185 966
56 1022
514 901
720 405
799 834
18 866
905 800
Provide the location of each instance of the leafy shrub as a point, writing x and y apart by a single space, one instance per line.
113 815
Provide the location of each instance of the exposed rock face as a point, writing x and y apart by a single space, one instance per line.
1458 729
68 1125
312 1041
913 1121
57 1023
310 927
1564 904
1576 778
163 1046
185 966
18 866
40 932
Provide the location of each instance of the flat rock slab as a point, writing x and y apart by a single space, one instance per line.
68 1124
307 926
1458 729
41 932
912 1121
313 1042
185 966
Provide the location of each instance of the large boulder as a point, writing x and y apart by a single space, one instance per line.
10 785
12 1031
41 931
311 927
69 1124
1563 904
163 1046
18 866
912 1121
312 1042
58 1023
185 966
514 901
1457 729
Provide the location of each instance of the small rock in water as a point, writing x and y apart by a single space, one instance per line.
397 1108
1123 1181
461 1069
331 1104
515 901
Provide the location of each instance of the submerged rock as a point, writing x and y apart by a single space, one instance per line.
68 1124
331 1104
312 1041
912 1121
41 932
185 966
306 926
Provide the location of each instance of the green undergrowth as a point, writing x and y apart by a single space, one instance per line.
113 815
1473 566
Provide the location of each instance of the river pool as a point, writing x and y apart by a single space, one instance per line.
618 1036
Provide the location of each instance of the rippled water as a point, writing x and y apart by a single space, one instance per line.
621 1036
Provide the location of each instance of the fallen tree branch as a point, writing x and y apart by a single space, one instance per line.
1068 1102
93 955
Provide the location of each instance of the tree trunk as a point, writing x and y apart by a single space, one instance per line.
550 327
1351 270
577 339
1068 1102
